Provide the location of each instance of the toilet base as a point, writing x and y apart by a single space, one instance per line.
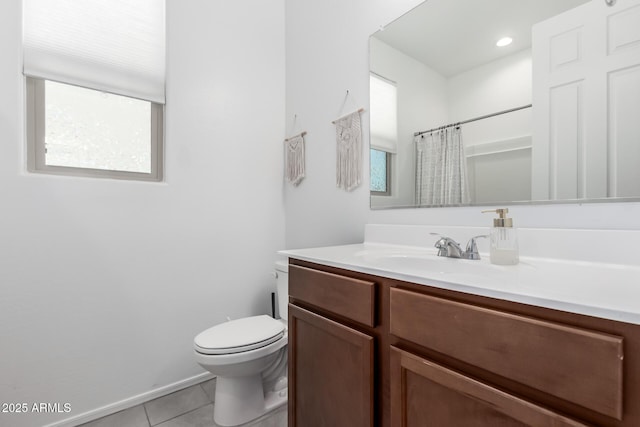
239 400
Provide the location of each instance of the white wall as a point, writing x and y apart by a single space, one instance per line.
499 85
496 86
104 283
327 54
422 104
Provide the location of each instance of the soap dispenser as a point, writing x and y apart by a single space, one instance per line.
504 240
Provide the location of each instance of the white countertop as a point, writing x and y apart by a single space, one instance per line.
601 289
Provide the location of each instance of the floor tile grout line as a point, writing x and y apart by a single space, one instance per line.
185 413
179 415
144 406
205 392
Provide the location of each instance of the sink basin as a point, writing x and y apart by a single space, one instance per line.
436 265
415 260
567 281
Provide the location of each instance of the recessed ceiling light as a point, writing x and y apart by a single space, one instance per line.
505 41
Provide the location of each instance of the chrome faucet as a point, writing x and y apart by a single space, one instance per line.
447 247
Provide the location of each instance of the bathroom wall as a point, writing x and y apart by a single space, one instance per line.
495 86
327 53
422 95
104 283
498 149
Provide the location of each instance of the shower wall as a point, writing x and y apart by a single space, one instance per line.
498 149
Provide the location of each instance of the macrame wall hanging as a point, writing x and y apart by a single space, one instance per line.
348 151
294 159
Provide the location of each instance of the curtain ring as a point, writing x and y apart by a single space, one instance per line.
610 2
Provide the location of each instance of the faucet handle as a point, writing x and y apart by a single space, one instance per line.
471 251
442 241
441 244
447 247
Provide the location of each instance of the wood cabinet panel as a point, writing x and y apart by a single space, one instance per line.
345 296
424 393
331 377
581 366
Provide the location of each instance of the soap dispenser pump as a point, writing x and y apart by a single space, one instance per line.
504 240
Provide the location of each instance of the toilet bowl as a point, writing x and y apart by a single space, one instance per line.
249 358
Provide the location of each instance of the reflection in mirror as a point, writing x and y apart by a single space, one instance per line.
459 119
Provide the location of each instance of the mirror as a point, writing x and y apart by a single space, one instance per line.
551 117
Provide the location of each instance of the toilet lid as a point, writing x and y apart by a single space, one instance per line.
239 335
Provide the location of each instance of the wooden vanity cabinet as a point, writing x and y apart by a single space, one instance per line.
331 350
443 358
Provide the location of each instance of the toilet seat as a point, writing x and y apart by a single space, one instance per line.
241 335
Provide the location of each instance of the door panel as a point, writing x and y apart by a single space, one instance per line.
330 373
586 140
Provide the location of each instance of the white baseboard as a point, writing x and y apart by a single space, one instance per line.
112 408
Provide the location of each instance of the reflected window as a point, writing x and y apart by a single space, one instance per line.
384 132
380 172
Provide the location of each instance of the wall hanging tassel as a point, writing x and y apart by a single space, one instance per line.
348 151
294 159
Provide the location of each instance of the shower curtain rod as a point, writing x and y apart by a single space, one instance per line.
510 110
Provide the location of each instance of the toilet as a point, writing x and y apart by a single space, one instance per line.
249 358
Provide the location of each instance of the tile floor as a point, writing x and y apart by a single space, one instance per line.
191 407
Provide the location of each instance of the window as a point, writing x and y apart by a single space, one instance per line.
384 133
78 131
95 91
380 172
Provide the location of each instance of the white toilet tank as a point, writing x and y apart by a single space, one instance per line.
282 288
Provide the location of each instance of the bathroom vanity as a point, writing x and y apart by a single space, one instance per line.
375 345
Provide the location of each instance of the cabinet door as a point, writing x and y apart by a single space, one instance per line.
424 393
330 373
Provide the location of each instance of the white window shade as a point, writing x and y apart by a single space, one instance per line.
383 114
115 46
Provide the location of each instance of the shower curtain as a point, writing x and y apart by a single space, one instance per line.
441 169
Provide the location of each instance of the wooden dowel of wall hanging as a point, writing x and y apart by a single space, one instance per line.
295 136
360 110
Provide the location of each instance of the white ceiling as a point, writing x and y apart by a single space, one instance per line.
452 36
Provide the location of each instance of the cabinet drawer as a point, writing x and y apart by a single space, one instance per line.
345 296
578 365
